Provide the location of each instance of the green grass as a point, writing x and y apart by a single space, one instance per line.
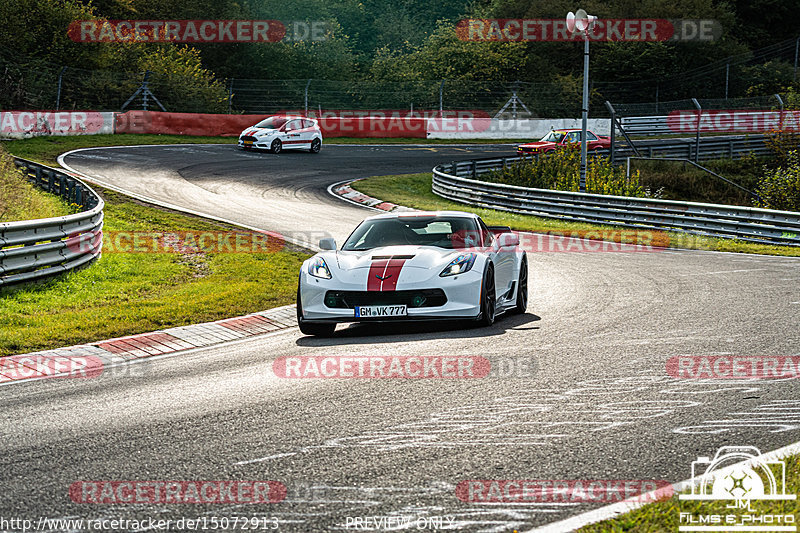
414 190
19 200
47 149
665 515
128 293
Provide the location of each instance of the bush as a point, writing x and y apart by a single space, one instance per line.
780 188
560 170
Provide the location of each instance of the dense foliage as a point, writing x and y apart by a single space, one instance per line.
392 41
779 188
560 170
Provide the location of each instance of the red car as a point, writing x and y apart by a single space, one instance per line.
564 138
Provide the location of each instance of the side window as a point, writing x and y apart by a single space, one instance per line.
308 124
293 125
590 136
574 137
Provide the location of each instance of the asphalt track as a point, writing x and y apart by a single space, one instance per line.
596 402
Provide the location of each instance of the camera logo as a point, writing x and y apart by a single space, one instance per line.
738 475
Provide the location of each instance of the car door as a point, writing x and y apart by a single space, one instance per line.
308 133
572 138
293 136
592 142
503 261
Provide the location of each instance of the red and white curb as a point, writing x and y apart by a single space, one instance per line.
98 355
344 191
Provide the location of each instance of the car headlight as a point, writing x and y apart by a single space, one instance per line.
319 269
459 265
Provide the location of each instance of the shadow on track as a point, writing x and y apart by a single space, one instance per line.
388 332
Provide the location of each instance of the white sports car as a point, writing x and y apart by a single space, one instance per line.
414 266
282 132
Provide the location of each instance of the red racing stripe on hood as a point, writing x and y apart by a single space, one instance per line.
383 274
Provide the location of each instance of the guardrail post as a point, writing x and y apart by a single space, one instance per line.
453 168
697 132
474 169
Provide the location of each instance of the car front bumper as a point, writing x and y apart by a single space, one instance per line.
462 292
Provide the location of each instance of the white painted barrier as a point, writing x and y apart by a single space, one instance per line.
23 124
485 128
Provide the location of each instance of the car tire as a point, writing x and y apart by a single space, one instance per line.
316 146
488 298
522 288
317 329
276 146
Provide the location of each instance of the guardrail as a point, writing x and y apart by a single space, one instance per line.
708 148
36 249
743 223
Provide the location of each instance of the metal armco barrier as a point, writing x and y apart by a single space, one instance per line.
36 249
710 148
455 181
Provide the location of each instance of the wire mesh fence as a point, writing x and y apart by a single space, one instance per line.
28 83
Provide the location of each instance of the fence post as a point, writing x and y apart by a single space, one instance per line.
796 50
441 99
58 94
474 169
697 132
306 97
230 96
780 102
613 129
727 76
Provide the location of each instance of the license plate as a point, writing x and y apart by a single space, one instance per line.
247 143
372 311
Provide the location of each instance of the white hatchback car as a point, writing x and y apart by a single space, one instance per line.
282 132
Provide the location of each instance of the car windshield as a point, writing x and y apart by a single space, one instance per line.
441 231
272 123
553 137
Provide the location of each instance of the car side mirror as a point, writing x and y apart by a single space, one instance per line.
327 244
508 240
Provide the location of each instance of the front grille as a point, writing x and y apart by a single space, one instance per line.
248 138
413 298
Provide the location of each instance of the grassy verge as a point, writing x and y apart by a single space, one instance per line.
665 515
414 190
46 149
19 200
128 293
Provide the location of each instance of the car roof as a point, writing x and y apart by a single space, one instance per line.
289 117
412 214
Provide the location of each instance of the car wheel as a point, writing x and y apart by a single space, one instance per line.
522 288
316 145
276 146
318 329
488 298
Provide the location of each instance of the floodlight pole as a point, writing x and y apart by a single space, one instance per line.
585 108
